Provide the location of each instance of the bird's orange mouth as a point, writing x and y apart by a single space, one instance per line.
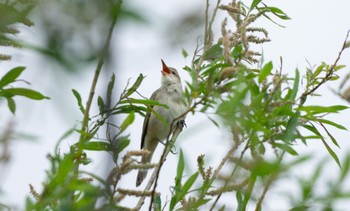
165 70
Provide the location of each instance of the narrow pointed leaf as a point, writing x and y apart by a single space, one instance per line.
101 104
127 121
29 93
322 109
143 101
265 71
11 76
97 146
11 104
328 122
110 88
318 70
180 170
188 184
331 136
286 148
135 86
254 4
295 86
78 97
331 152
122 143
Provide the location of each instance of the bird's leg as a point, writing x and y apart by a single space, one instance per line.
181 124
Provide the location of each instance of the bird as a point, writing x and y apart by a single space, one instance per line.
154 130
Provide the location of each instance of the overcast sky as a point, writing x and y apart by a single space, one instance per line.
314 34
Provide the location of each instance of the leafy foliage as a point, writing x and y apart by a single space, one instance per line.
8 92
267 112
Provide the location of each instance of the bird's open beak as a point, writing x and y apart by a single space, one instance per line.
165 70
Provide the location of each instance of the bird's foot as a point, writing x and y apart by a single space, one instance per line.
181 124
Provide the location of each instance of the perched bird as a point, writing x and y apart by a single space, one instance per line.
154 130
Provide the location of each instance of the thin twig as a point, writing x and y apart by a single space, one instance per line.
104 53
207 32
268 184
266 188
169 143
232 173
155 174
166 151
328 75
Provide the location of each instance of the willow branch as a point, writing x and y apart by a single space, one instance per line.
328 75
207 31
100 63
155 174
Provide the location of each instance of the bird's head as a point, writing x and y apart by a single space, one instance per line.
169 75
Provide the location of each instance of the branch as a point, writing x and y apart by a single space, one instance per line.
104 53
207 31
155 174
237 143
328 75
170 142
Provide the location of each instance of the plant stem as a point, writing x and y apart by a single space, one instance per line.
84 127
155 175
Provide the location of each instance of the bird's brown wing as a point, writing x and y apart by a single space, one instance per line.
146 120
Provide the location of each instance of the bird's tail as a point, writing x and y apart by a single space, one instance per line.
150 145
141 175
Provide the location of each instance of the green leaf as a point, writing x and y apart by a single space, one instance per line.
126 109
265 71
11 104
180 170
146 102
334 78
278 12
34 95
237 51
339 67
330 136
295 85
188 184
254 4
127 122
290 129
313 129
97 146
110 88
286 148
78 97
318 70
184 53
158 203
322 109
239 199
101 104
214 52
331 152
328 122
135 86
121 143
346 167
11 76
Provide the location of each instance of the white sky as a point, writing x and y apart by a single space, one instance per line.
316 33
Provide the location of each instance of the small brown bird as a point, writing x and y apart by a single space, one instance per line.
154 130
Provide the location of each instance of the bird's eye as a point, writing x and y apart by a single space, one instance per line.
173 72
